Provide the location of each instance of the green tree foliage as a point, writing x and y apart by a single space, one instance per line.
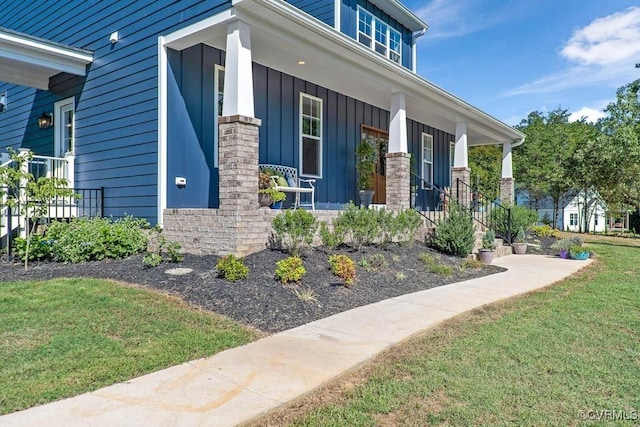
485 163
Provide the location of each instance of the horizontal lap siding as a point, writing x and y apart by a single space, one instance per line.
116 103
349 25
321 9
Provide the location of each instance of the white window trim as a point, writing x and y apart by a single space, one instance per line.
301 136
428 179
216 114
58 109
452 157
390 30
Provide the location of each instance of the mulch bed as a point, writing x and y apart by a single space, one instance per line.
259 300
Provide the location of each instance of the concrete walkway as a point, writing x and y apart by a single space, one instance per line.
241 383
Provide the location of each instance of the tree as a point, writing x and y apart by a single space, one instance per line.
485 163
30 196
540 163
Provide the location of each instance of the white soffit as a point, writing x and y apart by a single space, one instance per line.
31 61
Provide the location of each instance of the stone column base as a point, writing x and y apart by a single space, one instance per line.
507 191
398 181
460 191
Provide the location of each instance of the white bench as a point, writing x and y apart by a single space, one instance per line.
302 185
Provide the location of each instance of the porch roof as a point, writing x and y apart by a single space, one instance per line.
31 61
282 35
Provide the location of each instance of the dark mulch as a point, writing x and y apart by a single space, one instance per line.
259 300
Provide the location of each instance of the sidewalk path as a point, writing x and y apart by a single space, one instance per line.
241 383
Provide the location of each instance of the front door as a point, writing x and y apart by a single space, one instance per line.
382 146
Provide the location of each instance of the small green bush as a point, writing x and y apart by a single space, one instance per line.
174 251
343 267
361 225
433 265
152 260
39 247
521 216
408 223
331 239
374 262
471 263
455 234
232 268
489 240
295 230
290 270
86 239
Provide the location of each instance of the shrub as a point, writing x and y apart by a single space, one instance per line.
152 260
85 239
521 216
455 234
174 250
232 268
519 236
471 263
389 227
546 220
290 270
433 265
545 231
39 247
343 267
295 230
489 240
331 239
360 224
408 223
374 262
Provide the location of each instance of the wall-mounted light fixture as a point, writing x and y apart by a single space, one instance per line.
3 101
45 121
114 37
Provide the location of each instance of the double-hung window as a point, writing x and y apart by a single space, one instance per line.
573 219
379 36
427 161
310 135
217 109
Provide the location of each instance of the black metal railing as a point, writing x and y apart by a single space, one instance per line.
86 202
485 211
429 199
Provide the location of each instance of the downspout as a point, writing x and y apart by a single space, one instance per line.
414 48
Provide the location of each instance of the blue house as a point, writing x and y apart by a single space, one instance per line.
168 107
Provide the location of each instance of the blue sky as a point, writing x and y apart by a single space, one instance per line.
511 57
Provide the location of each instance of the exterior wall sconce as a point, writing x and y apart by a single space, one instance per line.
3 101
45 121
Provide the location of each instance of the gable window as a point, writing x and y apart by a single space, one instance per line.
217 108
310 135
427 161
379 36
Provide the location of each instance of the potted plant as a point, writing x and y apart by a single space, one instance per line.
264 187
519 246
366 167
578 252
485 254
278 197
564 245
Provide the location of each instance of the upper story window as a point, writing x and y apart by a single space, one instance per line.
379 36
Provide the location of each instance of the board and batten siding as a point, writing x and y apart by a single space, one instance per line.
321 9
349 25
116 102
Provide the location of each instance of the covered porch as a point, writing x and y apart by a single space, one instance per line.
278 37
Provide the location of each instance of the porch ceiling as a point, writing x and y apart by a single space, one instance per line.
282 35
31 61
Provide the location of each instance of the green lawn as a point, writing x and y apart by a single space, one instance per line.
64 337
542 359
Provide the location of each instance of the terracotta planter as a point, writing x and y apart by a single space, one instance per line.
519 248
486 256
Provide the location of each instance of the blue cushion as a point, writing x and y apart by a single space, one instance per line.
290 180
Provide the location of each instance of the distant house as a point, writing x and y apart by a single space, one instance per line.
168 106
574 213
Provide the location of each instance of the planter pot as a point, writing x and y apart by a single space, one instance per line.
264 200
564 254
277 205
366 197
580 255
485 256
519 248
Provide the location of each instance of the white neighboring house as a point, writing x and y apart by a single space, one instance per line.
573 213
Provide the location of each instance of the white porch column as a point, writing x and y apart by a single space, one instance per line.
398 124
238 76
398 158
460 173
507 184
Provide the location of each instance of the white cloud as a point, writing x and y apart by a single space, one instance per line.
604 51
456 18
609 40
592 115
